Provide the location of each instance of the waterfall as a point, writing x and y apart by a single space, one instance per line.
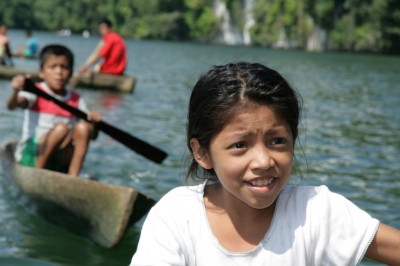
317 40
229 34
249 20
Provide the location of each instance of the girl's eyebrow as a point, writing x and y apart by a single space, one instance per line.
280 129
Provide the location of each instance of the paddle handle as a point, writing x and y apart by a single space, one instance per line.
135 144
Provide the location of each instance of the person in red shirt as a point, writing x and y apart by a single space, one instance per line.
111 49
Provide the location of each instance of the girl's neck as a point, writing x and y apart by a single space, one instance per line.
238 227
220 200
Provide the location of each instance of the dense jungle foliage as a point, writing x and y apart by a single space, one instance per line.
350 25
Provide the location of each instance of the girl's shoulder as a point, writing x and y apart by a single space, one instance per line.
302 201
183 193
316 201
178 206
304 193
182 197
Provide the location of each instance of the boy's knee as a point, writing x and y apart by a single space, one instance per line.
61 129
82 128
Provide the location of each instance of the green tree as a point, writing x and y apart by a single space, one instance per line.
352 25
200 19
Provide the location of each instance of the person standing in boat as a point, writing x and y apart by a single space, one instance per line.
243 124
5 51
52 138
111 49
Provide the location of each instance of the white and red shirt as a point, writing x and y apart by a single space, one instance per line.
42 115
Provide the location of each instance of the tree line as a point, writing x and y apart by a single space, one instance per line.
344 25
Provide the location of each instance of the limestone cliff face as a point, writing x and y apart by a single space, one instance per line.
228 32
232 34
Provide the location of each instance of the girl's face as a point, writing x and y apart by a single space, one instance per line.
252 156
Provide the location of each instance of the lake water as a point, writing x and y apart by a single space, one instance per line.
349 135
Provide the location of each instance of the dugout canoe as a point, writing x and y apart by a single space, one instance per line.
106 210
124 84
30 57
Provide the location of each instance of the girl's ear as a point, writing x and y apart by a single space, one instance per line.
200 154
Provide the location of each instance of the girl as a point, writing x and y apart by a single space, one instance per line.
242 127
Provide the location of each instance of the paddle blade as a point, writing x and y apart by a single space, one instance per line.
135 144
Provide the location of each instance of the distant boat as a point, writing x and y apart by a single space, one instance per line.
33 57
105 211
123 83
64 32
85 34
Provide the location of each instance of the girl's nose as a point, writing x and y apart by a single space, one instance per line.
261 158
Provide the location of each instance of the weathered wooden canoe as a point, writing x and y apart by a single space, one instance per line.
106 209
123 83
31 57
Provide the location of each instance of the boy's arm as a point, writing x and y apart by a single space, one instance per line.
385 247
92 58
14 101
93 118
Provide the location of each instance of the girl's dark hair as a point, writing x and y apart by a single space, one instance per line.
219 93
56 49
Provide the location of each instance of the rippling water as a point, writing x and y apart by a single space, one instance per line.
349 135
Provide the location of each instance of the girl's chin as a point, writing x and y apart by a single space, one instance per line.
262 205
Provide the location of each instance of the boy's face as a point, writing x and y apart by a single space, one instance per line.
103 29
56 72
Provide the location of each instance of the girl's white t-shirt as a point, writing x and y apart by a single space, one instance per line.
311 226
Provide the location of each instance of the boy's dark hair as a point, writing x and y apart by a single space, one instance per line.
221 92
57 50
106 21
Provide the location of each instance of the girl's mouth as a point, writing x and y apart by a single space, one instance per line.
261 182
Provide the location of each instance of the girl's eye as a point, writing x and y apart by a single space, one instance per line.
239 145
278 141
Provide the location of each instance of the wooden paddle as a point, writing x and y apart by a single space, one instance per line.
135 144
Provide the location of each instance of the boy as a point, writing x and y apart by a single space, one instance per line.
52 138
111 49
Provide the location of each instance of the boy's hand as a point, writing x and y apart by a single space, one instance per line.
93 116
18 82
14 101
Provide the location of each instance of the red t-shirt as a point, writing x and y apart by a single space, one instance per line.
114 54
